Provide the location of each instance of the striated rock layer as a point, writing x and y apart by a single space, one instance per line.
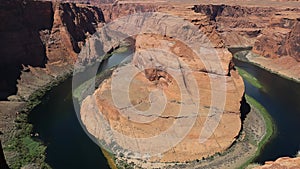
279 44
282 163
273 33
45 36
181 75
39 44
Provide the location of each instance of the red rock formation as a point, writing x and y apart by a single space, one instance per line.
156 68
20 39
114 11
278 47
238 25
281 37
41 34
272 32
42 39
46 37
282 163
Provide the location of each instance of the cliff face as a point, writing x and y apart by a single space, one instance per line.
20 39
238 25
281 37
278 46
281 163
166 72
112 12
272 32
40 42
44 35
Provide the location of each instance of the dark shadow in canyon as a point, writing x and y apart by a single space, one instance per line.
245 108
21 29
3 164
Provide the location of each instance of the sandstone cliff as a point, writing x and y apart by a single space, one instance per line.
19 31
282 163
273 33
279 46
44 36
40 42
238 25
171 73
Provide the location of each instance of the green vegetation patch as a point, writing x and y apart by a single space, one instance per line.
269 124
249 78
28 150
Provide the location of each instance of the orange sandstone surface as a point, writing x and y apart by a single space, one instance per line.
282 163
164 93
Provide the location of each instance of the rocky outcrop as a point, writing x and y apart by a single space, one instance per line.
43 39
277 48
46 38
281 37
114 11
272 32
238 25
20 39
170 71
40 42
282 163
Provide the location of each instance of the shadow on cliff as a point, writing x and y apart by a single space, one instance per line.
22 24
3 164
245 108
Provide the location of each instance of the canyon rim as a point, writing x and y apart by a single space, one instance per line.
173 102
43 40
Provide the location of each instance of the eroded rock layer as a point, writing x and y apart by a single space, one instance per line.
178 73
40 42
46 38
282 163
279 44
272 32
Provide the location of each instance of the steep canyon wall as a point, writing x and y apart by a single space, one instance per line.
272 32
40 41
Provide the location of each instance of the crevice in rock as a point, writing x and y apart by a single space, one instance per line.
244 108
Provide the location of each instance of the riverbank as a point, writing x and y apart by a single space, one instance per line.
276 66
247 76
269 127
21 146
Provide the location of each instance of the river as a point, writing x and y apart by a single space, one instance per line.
68 146
56 122
281 98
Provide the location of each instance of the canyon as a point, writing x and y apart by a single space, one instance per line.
180 75
41 42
